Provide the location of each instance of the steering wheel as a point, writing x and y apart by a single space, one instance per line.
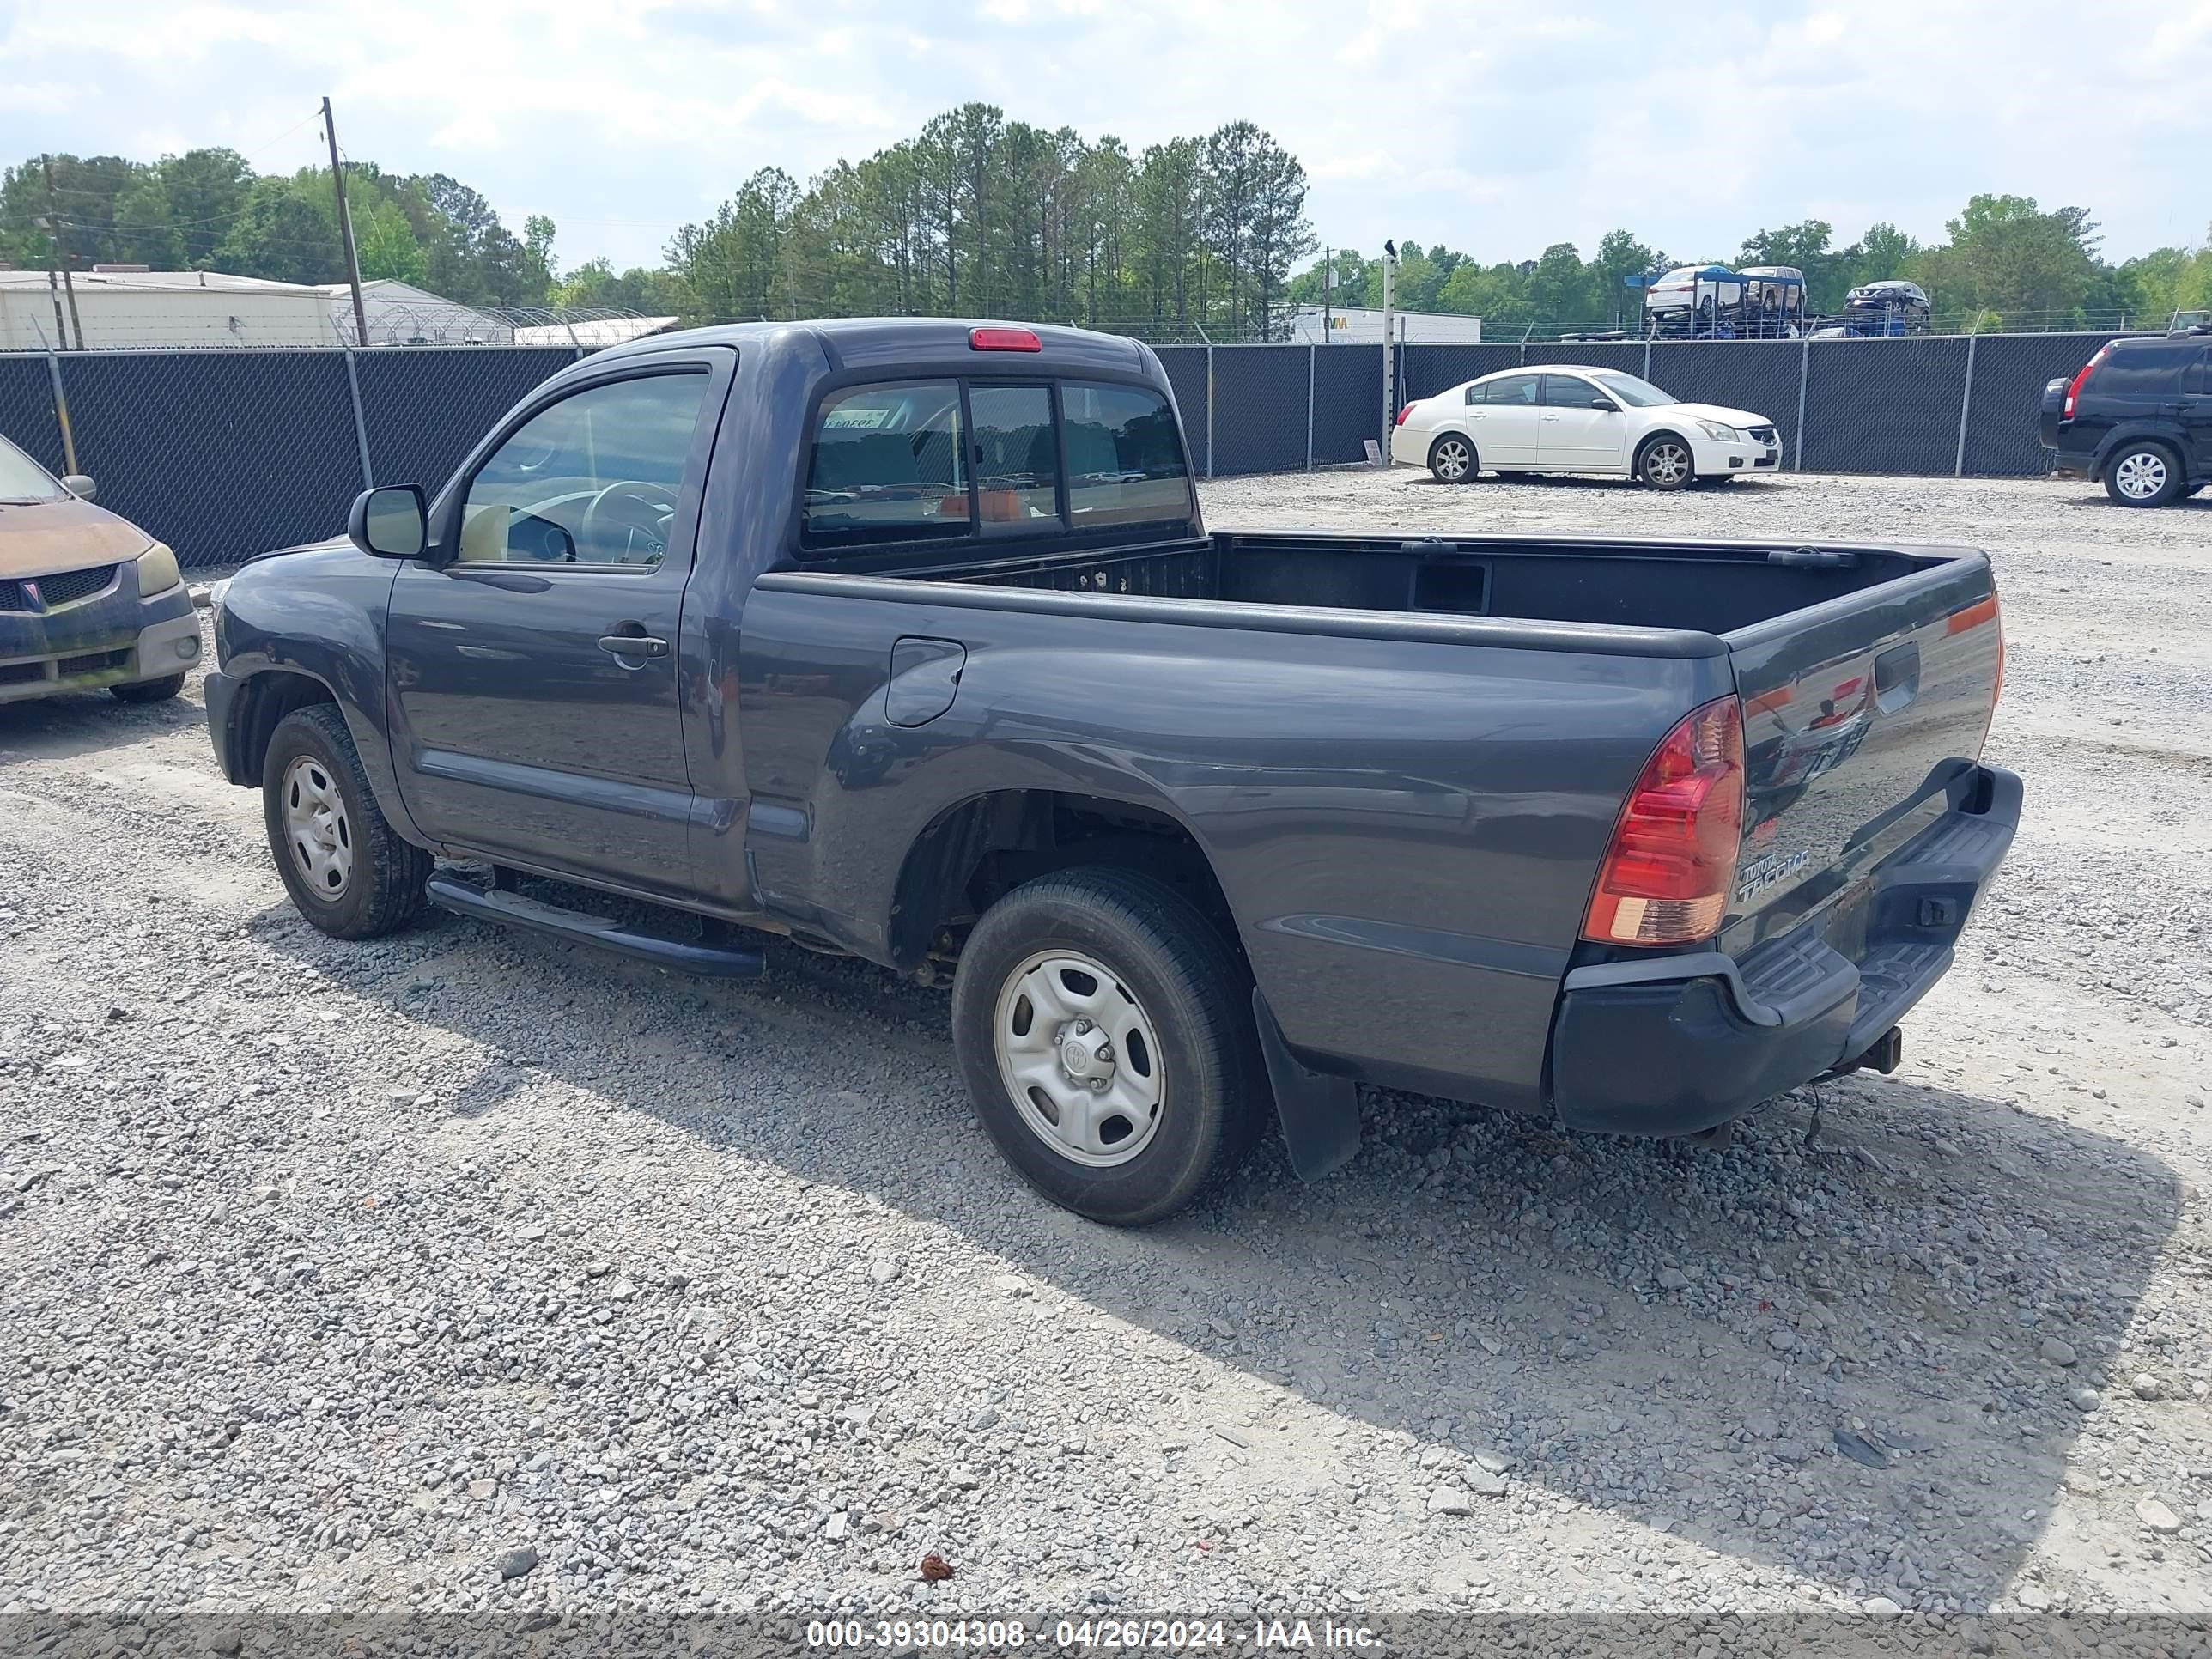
641 510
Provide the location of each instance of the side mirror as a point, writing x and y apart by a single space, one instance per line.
1607 404
390 522
80 486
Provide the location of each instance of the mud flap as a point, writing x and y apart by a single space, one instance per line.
1319 1114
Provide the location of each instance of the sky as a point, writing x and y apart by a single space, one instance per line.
1496 129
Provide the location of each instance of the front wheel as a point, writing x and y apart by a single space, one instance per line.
2143 475
1451 460
346 868
1104 1029
1665 464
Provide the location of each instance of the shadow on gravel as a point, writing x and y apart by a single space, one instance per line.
86 722
1671 1335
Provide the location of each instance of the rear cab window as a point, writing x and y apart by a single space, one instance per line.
939 459
889 464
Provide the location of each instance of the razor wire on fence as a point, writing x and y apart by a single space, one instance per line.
226 454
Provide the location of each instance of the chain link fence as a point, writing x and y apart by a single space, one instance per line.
226 454
1968 405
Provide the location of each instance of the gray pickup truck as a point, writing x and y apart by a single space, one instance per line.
904 638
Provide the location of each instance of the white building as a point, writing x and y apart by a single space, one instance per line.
1356 325
129 305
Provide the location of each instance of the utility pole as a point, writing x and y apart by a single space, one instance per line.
1389 368
61 254
345 229
54 293
1328 289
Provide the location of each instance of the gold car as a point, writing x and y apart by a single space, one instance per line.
87 600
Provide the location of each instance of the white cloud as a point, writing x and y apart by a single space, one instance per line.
1496 126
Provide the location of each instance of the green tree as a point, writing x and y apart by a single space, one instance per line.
2008 256
286 233
385 243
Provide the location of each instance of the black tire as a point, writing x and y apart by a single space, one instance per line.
159 690
1452 459
2133 466
1189 986
382 891
1665 462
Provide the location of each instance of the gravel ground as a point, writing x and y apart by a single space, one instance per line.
464 1271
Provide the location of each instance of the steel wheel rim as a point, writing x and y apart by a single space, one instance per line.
2141 475
1666 464
317 829
1451 460
1078 1058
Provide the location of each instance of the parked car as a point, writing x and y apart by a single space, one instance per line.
1773 302
1689 300
2136 417
1570 417
88 599
905 638
1877 310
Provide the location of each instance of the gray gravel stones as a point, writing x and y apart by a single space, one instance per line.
2157 1516
318 1289
2059 1352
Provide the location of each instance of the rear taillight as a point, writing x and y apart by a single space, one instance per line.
2080 379
1667 876
1404 412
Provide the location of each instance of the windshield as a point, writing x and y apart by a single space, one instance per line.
22 479
1637 394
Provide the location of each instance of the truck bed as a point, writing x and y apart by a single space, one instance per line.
1706 586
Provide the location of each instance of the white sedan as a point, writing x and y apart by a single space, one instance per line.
1565 418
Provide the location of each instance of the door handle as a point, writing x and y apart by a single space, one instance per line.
633 645
1550 417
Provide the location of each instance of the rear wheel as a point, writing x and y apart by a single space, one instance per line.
1451 460
2142 474
159 690
348 871
1665 464
1104 1029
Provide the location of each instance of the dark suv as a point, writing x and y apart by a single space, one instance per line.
2138 416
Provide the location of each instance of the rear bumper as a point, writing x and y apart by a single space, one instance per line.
1671 1045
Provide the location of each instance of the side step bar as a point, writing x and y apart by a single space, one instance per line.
581 928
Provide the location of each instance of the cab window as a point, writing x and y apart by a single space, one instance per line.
1016 459
1125 460
593 479
888 464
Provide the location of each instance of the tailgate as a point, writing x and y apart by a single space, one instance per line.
1862 716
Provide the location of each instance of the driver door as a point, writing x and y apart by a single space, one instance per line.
535 659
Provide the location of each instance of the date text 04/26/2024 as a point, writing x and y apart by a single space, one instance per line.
1257 1635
